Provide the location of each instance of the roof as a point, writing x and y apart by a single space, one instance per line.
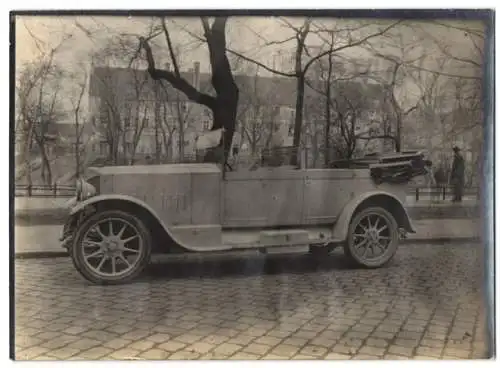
275 91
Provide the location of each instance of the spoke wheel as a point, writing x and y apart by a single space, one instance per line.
111 247
373 238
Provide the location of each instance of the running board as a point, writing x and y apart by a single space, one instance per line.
290 238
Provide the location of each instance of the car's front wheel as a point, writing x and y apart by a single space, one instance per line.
373 238
111 247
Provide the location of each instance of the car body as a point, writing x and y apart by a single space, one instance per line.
199 208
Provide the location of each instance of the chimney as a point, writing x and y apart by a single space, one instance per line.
196 76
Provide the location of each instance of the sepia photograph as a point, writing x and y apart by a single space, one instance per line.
266 185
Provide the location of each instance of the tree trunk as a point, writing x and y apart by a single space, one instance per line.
77 155
46 166
77 142
254 139
224 105
398 133
157 122
180 119
328 115
225 117
242 136
299 110
27 154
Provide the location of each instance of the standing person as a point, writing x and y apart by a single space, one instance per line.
440 178
457 176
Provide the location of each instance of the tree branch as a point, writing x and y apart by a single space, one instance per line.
291 26
474 32
170 48
176 81
206 27
263 66
353 44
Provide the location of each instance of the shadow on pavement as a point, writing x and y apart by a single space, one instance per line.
245 266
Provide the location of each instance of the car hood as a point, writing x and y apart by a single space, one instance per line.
155 169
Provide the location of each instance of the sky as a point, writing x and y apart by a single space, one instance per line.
84 36
245 34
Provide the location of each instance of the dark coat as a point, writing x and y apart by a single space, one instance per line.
458 169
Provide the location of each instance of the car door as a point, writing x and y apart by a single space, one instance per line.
267 197
283 196
326 192
242 200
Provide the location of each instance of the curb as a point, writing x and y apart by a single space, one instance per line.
448 240
38 255
443 239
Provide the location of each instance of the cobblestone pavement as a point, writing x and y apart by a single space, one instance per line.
427 304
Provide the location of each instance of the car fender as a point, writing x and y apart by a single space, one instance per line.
105 197
81 206
381 199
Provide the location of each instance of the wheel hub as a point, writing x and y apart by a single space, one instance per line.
113 245
372 235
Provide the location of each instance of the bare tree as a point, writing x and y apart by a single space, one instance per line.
353 36
258 113
167 127
330 82
40 109
37 104
110 123
76 102
136 115
468 60
400 55
224 104
28 78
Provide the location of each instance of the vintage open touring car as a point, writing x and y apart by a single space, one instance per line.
123 214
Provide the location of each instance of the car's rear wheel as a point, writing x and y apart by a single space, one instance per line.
111 247
373 238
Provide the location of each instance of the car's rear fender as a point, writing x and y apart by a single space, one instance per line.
128 204
372 199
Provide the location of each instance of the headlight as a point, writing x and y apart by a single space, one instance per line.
84 190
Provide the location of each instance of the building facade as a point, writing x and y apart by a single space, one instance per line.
137 116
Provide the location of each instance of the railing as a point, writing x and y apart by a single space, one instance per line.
423 192
54 191
442 192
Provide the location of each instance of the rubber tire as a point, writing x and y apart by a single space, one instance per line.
393 246
77 256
